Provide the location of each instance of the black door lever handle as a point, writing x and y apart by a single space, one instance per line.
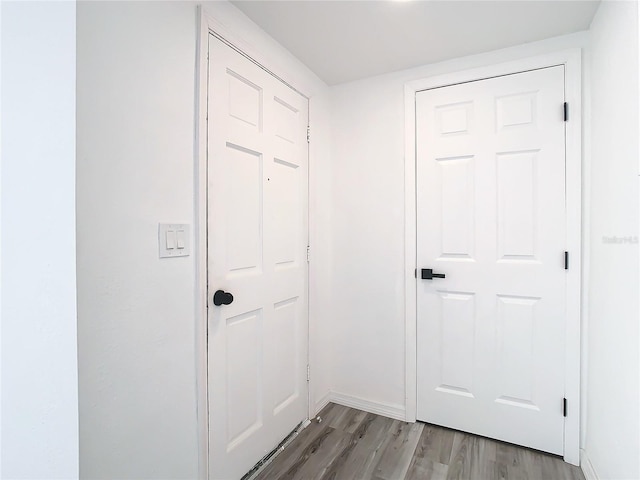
427 274
222 298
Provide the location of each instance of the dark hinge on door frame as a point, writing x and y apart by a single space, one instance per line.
564 407
566 260
566 111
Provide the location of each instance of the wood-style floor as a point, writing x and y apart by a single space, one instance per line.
348 444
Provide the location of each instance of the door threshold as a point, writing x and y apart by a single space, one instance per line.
269 457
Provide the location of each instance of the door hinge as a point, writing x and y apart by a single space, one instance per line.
308 373
564 407
308 134
415 273
566 260
308 253
566 111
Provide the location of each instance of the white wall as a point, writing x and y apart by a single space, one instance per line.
613 425
137 327
38 308
320 239
368 224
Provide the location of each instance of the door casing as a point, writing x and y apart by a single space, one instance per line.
571 59
209 25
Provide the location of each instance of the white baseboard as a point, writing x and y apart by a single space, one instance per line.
397 412
320 404
587 467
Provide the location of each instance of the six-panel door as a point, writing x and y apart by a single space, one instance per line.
257 238
491 217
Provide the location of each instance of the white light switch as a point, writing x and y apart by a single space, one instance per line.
180 239
173 240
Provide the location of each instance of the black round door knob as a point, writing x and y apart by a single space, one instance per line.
222 298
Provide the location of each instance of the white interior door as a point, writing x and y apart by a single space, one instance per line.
491 218
257 238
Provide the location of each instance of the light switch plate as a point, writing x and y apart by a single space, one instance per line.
170 231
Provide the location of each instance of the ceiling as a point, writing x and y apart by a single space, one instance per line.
343 41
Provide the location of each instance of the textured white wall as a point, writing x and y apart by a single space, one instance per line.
320 235
613 425
136 321
38 343
368 223
137 325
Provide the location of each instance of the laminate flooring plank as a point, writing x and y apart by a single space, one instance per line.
575 472
398 452
526 465
367 435
338 418
507 454
327 408
555 469
353 421
552 470
314 465
296 460
435 444
331 413
500 471
431 457
460 461
509 461
360 460
483 458
301 447
424 469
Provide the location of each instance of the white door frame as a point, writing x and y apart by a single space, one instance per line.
208 24
571 59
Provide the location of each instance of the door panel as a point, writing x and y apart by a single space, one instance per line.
457 326
517 205
491 217
242 197
243 385
257 238
456 219
285 361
